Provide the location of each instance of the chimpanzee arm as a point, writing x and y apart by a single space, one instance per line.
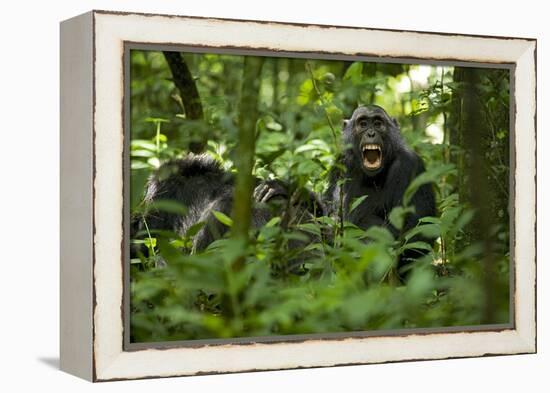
404 170
422 201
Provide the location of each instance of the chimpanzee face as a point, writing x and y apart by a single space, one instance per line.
368 133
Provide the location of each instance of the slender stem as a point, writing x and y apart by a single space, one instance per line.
323 103
152 248
244 183
158 139
341 209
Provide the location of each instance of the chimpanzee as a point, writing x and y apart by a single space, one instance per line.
202 186
377 163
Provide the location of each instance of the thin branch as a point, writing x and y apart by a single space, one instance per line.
248 116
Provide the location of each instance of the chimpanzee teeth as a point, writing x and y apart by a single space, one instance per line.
371 147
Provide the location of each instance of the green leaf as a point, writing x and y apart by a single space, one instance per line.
168 206
296 236
357 202
398 215
138 144
464 219
269 157
431 176
425 230
354 72
224 219
156 120
416 246
313 145
430 220
142 153
380 234
138 178
420 283
150 243
310 228
194 229
274 221
449 215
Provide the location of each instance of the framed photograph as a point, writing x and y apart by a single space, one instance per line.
248 195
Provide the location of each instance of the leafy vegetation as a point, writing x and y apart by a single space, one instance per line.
240 286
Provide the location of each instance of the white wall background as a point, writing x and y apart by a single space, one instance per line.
29 196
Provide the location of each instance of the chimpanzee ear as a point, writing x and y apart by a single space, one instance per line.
345 123
395 122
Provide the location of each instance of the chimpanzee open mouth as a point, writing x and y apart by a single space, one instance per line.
372 156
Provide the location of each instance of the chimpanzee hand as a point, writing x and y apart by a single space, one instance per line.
269 189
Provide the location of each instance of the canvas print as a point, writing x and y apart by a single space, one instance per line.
288 196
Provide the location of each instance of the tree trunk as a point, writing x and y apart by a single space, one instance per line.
474 132
189 93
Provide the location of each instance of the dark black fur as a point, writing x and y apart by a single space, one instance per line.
384 186
199 184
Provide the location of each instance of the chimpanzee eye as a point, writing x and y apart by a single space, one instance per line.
363 123
377 124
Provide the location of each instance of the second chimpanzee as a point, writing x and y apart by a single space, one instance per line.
201 186
379 165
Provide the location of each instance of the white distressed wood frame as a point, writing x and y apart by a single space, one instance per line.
92 89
